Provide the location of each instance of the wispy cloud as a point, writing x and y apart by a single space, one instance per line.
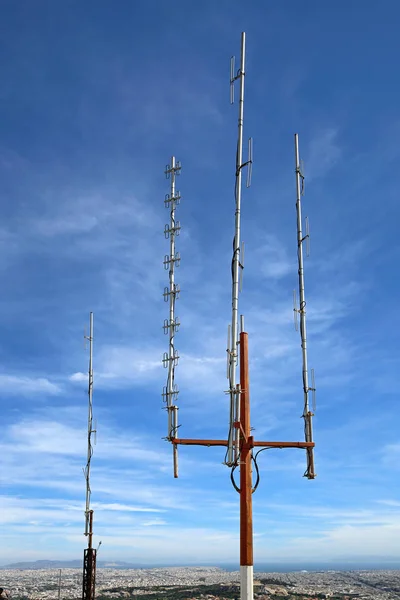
12 385
272 259
322 154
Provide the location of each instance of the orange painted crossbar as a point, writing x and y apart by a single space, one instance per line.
285 444
188 442
192 442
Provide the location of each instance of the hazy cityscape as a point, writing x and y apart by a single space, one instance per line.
199 582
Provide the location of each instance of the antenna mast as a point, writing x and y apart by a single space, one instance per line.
89 559
301 310
232 453
240 445
59 585
171 294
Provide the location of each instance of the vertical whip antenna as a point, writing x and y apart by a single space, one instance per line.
301 311
232 454
91 432
171 294
89 559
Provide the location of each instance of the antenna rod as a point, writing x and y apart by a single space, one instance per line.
307 414
171 325
88 512
89 557
232 452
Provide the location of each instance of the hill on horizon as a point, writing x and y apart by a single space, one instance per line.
69 564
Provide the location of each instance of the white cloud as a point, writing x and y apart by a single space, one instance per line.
124 507
27 386
118 367
394 503
322 154
391 455
271 259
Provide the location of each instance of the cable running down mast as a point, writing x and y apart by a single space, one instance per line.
232 453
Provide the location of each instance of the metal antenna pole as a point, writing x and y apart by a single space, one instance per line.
88 532
307 413
89 560
171 325
232 454
246 504
59 585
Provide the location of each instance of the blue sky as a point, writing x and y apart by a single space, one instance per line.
95 98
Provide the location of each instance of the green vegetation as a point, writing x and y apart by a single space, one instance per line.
222 592
179 592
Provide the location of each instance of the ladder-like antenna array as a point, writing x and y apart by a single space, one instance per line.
89 560
171 294
232 453
301 311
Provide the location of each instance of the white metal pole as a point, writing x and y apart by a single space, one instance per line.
232 451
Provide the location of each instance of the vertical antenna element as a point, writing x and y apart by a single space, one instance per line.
232 80
232 454
171 325
307 413
91 431
89 559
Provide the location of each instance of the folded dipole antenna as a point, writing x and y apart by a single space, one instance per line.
301 311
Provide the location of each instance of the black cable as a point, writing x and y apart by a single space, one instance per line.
233 479
235 251
254 459
256 466
257 471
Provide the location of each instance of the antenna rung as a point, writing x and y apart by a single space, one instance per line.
175 230
307 237
171 259
295 311
174 199
232 80
249 162
313 390
167 359
241 266
169 169
168 292
171 324
172 394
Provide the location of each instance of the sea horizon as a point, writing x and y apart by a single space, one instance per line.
259 567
